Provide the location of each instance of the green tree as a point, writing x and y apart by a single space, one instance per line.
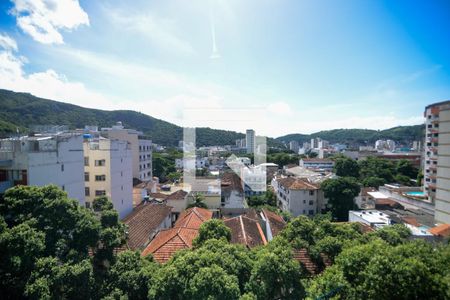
346 167
377 167
67 236
402 179
276 275
405 167
20 247
268 198
131 275
199 201
377 270
373 182
174 280
52 280
213 283
212 229
340 193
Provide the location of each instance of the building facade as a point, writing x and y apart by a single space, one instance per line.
141 149
108 172
436 165
44 159
250 140
299 197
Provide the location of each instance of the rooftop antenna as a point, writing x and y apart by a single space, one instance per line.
215 53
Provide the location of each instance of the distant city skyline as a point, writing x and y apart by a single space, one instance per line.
304 66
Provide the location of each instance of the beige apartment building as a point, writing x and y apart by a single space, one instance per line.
436 166
141 149
108 172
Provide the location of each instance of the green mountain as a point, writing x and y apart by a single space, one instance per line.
24 110
402 134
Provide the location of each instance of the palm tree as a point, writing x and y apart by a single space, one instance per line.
198 201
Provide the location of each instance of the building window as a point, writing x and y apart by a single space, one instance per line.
86 176
87 192
311 193
121 173
311 202
304 201
100 163
88 204
121 187
62 168
63 187
100 193
86 161
100 177
311 212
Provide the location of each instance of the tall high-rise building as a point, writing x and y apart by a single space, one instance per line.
436 166
294 146
250 140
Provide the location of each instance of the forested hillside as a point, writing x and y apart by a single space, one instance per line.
361 136
24 110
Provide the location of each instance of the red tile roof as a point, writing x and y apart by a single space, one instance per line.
297 184
246 231
302 256
158 195
387 203
169 241
143 222
231 181
276 222
441 230
193 217
178 195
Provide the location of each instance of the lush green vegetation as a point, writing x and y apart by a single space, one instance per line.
52 248
361 136
268 198
24 110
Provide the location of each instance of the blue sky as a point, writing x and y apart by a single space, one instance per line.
280 67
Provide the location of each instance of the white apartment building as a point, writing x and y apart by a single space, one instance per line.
191 163
373 218
141 149
294 146
145 160
44 159
437 159
385 145
299 197
250 140
317 163
108 172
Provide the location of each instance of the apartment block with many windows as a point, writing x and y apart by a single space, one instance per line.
43 159
436 166
108 172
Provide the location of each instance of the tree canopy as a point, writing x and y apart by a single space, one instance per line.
46 257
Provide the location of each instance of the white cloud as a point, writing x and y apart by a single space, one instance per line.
279 108
43 19
7 43
160 31
47 84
